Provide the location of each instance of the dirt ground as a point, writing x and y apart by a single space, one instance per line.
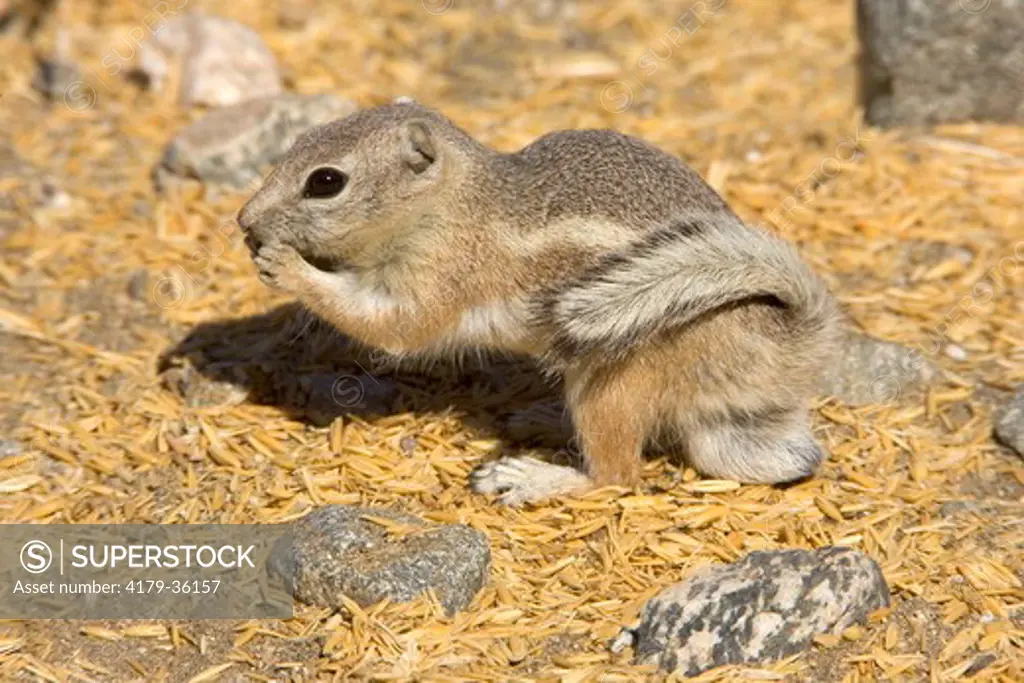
147 376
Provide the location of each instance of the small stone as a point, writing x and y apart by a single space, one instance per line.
230 146
138 285
339 550
142 209
9 448
925 63
52 196
213 386
932 253
870 370
53 78
955 507
1010 423
980 662
222 62
955 352
407 445
767 606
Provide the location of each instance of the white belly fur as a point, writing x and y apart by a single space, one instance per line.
499 325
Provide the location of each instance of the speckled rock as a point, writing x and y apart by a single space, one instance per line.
932 62
229 146
222 62
874 371
339 550
767 606
1010 423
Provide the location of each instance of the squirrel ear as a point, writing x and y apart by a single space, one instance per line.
420 150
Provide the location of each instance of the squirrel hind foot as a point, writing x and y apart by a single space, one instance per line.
774 450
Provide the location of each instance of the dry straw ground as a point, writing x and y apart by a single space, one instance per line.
915 230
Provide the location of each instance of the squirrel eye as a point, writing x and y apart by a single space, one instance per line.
324 182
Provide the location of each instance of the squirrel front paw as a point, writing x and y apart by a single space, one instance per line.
280 266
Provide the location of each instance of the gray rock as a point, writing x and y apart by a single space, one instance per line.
230 146
925 63
767 606
216 385
222 62
338 551
53 78
1010 423
874 371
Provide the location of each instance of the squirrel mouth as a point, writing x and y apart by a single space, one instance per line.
323 263
253 243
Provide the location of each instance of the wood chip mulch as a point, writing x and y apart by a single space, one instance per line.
919 233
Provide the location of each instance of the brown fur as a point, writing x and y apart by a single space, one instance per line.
608 260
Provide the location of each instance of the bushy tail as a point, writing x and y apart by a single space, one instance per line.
681 273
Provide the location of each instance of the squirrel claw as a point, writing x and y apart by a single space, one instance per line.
279 266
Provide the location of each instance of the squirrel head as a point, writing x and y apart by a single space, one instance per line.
354 184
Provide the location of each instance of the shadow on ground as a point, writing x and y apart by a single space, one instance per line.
291 360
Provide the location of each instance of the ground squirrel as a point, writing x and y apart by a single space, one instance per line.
609 261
